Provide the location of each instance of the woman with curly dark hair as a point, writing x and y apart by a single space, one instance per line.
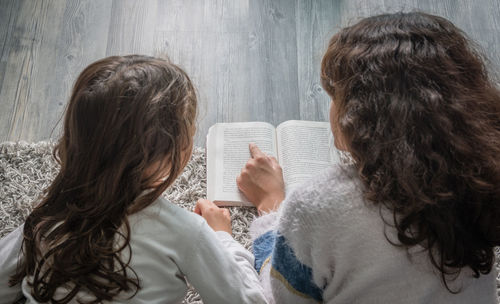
415 216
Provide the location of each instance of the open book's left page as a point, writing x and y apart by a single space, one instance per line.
227 154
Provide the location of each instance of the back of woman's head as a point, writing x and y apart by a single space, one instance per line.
421 119
128 128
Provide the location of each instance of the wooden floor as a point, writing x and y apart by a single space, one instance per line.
250 59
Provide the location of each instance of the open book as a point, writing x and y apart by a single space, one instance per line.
303 148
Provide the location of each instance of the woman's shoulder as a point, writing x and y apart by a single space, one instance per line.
334 193
318 211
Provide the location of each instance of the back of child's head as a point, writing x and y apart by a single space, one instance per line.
126 114
128 128
421 118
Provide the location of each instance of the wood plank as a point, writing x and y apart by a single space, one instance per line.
205 49
273 81
131 29
79 43
317 22
9 10
21 104
241 56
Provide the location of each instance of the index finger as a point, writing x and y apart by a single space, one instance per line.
255 151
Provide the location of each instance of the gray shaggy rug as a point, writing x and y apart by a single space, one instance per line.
27 169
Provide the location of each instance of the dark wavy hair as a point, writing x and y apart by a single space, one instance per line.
421 118
128 132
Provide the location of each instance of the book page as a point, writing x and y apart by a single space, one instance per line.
227 154
304 149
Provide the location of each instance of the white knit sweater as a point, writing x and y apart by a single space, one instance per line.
327 244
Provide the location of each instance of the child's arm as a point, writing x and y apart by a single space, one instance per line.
10 247
221 269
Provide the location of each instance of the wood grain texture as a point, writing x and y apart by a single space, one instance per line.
273 77
132 26
8 13
79 43
241 56
212 47
251 60
22 96
317 22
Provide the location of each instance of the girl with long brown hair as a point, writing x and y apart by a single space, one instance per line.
102 231
414 217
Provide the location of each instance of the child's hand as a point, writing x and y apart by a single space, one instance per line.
219 219
261 180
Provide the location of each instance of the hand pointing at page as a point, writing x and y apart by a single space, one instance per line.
261 180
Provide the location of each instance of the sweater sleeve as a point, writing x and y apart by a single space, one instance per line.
228 265
10 247
284 277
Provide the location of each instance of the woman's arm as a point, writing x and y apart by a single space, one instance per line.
284 277
10 250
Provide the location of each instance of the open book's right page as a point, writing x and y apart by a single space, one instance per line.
304 149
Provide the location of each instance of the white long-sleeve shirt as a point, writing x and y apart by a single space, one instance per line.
169 245
326 244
